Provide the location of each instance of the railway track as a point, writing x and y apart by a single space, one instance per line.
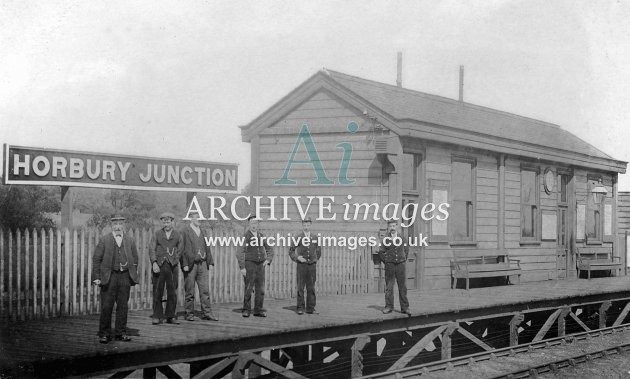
454 367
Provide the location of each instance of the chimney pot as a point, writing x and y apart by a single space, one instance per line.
461 84
399 70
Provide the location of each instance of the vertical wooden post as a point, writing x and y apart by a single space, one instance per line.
571 219
2 272
10 237
43 311
616 250
82 275
75 253
66 207
446 340
18 249
35 274
58 300
514 324
66 272
27 276
562 321
501 199
603 309
90 238
51 277
356 357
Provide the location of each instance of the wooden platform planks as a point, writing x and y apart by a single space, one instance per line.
75 337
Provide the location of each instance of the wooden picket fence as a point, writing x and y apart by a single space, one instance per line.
48 273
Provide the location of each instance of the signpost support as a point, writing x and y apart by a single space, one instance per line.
66 207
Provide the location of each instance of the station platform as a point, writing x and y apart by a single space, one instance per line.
68 346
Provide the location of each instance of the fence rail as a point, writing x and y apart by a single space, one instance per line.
48 273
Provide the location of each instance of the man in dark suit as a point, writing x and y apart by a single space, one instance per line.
393 252
164 252
115 270
252 258
196 260
305 253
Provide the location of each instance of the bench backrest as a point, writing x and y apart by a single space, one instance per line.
594 253
480 256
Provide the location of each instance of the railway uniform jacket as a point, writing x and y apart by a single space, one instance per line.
392 254
311 253
252 251
163 249
191 245
103 262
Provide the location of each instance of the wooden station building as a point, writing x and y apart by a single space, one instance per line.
514 184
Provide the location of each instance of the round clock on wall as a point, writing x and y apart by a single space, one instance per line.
550 180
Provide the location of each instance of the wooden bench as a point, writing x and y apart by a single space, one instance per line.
468 264
596 259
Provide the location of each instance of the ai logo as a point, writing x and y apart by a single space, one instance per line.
306 138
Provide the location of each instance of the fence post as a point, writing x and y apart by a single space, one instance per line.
51 262
42 309
2 272
10 237
58 300
66 272
35 313
19 273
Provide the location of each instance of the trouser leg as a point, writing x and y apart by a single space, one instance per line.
301 283
189 288
122 302
310 287
203 277
158 290
250 275
401 279
259 284
171 294
390 279
108 298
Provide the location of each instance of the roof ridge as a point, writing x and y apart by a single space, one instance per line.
441 98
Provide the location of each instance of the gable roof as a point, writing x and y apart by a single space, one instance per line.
408 112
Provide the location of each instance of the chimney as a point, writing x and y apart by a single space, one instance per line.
399 70
461 84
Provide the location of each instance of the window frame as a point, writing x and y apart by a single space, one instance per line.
472 240
536 239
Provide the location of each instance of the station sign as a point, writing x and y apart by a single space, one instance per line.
41 166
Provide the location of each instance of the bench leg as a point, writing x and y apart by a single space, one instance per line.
588 274
518 279
467 283
453 282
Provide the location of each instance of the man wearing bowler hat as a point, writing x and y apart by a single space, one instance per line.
164 252
393 252
114 269
306 252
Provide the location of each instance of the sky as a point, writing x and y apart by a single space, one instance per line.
175 79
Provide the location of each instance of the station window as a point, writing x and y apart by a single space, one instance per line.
410 169
462 225
530 215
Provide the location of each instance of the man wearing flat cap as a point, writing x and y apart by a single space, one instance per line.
196 260
164 252
305 253
115 270
253 256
